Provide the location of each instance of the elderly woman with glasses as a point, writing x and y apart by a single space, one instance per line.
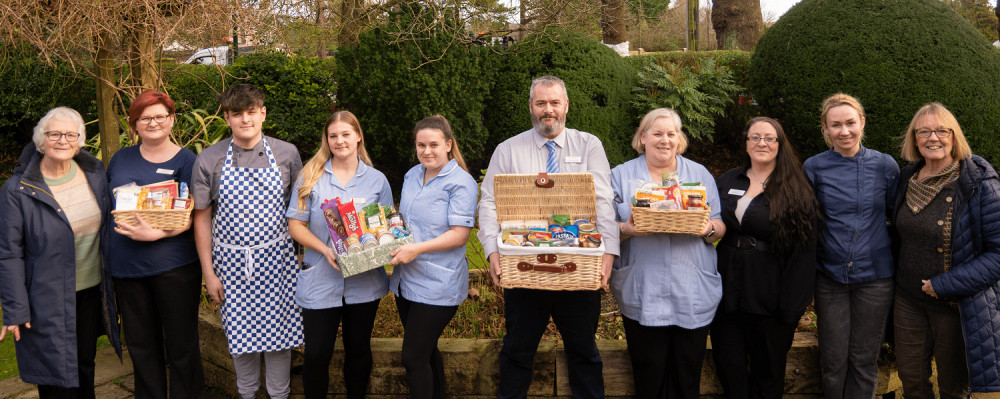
52 275
947 230
156 273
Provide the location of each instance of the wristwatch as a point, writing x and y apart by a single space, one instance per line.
710 233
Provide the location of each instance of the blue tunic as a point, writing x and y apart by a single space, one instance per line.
449 199
665 279
132 259
322 286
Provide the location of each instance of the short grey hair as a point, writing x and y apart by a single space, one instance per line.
647 122
547 80
61 113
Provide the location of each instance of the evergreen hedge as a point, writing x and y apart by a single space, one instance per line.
893 55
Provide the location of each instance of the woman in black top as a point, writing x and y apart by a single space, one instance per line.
767 262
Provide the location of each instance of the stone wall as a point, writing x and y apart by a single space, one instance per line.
471 367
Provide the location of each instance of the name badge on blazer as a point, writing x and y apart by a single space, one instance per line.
162 171
734 191
360 201
573 159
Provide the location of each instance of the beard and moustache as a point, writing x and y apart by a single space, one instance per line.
547 130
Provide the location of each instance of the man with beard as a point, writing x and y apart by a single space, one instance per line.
550 147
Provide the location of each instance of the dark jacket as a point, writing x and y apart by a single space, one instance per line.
974 277
755 279
855 195
38 271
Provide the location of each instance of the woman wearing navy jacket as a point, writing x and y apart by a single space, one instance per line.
341 168
947 230
431 277
854 186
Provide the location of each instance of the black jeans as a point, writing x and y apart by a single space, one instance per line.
666 361
89 326
923 331
320 329
423 325
749 353
527 313
160 316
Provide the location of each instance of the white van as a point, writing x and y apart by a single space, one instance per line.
221 55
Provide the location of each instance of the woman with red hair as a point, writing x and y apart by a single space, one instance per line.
156 273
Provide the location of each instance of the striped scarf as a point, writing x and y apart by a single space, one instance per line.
920 193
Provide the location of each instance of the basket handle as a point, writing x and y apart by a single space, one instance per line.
544 181
527 267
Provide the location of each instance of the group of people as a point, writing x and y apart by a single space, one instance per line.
847 228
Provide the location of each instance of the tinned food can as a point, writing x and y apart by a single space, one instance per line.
368 241
353 244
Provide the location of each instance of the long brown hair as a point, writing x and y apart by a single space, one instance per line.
794 210
440 123
314 168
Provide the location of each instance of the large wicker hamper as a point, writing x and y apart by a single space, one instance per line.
532 197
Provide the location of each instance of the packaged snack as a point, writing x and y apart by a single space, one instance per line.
373 217
536 224
181 203
350 217
182 191
141 202
561 220
335 224
651 195
399 232
512 224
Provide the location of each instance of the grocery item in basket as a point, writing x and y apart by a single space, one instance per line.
512 224
651 195
334 223
561 220
368 241
664 205
127 197
539 235
591 240
182 190
350 217
669 179
158 198
181 203
543 244
586 228
578 222
694 195
374 217
353 245
536 224
395 219
555 228
399 232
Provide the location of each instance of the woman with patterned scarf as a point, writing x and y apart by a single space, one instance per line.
947 240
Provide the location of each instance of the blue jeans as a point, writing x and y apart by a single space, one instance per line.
851 323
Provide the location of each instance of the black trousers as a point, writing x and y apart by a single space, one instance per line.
749 353
320 329
89 326
423 325
666 361
160 315
527 313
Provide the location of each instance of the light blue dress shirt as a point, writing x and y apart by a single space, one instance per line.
322 286
665 279
449 199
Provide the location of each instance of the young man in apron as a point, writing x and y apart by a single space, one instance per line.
241 187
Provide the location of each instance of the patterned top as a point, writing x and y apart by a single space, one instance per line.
74 195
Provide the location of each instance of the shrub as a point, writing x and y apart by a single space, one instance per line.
598 82
700 93
893 55
300 94
196 86
392 84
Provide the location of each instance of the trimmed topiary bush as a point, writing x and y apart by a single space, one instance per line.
893 55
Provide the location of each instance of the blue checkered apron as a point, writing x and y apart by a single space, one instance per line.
254 258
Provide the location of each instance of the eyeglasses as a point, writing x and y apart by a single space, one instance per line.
147 119
768 140
55 136
941 133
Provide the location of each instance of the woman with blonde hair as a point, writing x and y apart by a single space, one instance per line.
947 230
340 169
431 277
667 285
854 186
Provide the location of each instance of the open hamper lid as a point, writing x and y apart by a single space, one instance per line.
539 196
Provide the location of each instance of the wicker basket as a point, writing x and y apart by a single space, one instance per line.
161 219
527 197
370 258
678 221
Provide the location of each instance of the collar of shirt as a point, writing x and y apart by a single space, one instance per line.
257 150
559 139
418 172
362 168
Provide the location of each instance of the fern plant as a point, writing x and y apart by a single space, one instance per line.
699 94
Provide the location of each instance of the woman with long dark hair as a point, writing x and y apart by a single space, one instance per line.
767 260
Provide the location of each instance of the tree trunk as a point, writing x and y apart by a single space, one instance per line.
613 21
142 58
737 23
320 26
107 116
692 24
997 11
350 24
